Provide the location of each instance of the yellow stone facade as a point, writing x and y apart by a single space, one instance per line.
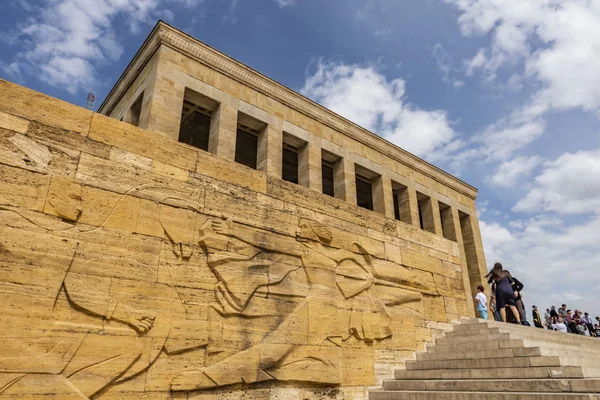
133 266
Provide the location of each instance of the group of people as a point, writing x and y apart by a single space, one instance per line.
564 320
506 294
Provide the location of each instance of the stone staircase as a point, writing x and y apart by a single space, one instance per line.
492 360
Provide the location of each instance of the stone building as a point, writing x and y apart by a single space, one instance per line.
211 233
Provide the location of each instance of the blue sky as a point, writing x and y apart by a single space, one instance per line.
503 93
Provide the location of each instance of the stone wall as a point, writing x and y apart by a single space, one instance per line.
136 267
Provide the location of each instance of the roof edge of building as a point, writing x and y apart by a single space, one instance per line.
165 34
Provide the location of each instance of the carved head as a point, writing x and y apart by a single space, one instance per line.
64 196
312 230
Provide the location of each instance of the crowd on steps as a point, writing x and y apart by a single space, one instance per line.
506 305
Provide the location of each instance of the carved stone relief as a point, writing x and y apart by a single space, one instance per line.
259 306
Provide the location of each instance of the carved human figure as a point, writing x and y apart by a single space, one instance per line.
341 303
97 334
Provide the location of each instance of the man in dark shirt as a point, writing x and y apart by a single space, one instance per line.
517 287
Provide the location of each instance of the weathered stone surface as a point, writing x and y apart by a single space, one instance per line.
32 105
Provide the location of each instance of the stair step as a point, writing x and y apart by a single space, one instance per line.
472 339
499 373
453 354
506 362
484 345
525 332
484 330
412 395
495 385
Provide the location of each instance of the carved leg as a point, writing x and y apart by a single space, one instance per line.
100 361
245 367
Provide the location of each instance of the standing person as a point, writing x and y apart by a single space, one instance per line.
553 313
548 318
493 307
562 313
481 303
518 287
504 292
588 322
537 319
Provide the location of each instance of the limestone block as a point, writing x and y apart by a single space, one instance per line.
357 367
125 179
69 142
421 261
135 140
231 172
23 188
20 151
455 306
170 171
221 205
434 308
13 123
125 157
20 101
450 284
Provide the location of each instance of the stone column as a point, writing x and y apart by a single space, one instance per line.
463 263
472 235
223 128
309 167
164 105
344 180
409 207
381 197
270 149
437 221
163 101
388 196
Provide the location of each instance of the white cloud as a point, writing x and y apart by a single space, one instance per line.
566 55
567 185
445 65
500 142
65 40
366 97
509 173
285 3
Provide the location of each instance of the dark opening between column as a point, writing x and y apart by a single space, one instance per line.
246 142
425 213
401 203
136 110
364 192
290 164
291 159
246 147
196 119
329 162
396 205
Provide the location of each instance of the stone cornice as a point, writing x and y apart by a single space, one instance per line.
164 34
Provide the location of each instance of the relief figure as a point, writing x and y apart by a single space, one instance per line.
89 330
341 303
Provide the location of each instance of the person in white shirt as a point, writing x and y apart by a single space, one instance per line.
481 303
560 326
